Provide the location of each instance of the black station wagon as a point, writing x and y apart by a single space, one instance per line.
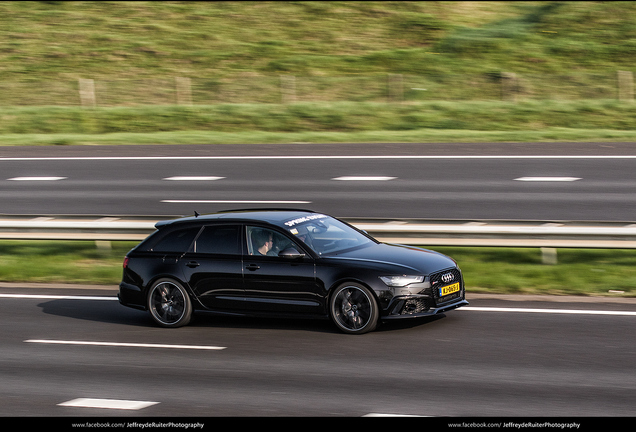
293 263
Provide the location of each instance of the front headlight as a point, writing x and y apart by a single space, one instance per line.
401 281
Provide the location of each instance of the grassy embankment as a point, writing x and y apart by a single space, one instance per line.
235 53
562 52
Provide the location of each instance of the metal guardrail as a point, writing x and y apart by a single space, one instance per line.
555 234
508 233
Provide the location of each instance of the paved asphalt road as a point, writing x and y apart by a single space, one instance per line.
470 362
593 181
507 361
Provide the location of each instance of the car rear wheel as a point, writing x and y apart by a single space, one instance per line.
354 309
169 304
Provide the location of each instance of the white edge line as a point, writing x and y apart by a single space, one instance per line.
123 344
471 308
84 158
54 297
552 311
107 404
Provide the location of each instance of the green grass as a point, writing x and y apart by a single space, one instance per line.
323 117
583 272
521 271
74 262
257 137
441 121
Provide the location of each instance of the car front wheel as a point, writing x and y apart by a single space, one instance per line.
169 304
354 309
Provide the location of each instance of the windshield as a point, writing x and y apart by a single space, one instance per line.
325 235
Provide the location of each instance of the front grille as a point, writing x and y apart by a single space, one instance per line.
443 278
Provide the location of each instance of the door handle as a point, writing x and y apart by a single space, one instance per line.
252 267
193 264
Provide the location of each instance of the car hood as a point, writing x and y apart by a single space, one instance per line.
409 259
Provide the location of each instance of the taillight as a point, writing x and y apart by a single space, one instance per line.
126 262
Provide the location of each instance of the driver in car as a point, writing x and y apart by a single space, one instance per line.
263 243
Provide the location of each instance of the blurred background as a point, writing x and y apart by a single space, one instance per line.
347 58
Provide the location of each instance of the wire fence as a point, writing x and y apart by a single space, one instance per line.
392 88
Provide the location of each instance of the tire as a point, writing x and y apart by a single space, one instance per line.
353 309
169 304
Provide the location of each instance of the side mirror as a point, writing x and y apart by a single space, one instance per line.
290 253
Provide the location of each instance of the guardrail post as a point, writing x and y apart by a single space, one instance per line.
103 245
549 256
509 86
288 88
395 88
625 86
184 91
87 92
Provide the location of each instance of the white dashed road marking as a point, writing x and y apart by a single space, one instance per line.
194 178
232 202
107 404
122 344
548 179
364 178
34 178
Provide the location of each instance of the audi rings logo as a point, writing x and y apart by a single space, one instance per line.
447 277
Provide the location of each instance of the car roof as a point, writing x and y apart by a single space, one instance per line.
272 216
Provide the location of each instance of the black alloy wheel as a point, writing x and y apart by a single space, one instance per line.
169 304
354 309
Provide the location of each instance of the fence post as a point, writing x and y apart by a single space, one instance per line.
509 86
396 88
625 86
288 88
87 92
184 91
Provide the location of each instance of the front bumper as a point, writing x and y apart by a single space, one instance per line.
429 298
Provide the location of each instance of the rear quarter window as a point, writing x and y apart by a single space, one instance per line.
176 241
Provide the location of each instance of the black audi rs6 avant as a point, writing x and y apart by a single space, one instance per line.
292 263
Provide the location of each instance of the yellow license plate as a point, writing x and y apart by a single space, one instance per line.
449 289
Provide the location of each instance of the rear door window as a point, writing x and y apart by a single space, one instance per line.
222 239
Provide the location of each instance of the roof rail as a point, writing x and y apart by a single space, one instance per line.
266 209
